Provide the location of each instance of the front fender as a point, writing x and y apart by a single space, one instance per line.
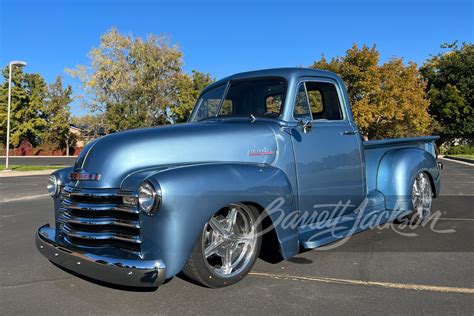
397 171
192 194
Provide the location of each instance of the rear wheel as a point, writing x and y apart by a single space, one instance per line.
421 196
228 247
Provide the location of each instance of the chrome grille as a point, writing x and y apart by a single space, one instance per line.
98 218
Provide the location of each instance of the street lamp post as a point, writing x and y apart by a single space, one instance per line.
19 63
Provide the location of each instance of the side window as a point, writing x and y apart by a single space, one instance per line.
316 101
301 109
324 101
273 103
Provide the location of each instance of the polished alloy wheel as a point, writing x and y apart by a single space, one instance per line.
228 241
421 196
227 247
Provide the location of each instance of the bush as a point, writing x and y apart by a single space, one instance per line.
461 150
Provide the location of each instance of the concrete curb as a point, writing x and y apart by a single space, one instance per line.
9 174
460 159
457 161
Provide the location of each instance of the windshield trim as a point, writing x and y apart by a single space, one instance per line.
223 98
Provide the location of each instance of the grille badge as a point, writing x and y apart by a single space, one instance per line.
82 176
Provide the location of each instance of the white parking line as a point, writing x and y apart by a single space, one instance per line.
389 285
22 198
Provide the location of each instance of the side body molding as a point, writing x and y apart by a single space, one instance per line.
397 171
193 193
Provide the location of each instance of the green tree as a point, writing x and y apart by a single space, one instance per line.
387 100
28 113
58 114
18 96
188 90
450 77
131 80
88 121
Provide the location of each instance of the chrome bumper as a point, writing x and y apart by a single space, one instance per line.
137 273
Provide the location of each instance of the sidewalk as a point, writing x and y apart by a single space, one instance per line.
8 174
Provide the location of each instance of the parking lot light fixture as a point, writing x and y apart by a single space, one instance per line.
7 148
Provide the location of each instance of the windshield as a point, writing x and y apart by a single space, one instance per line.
257 97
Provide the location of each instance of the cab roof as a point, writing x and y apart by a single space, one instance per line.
287 73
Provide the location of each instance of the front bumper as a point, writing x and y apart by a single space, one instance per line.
136 273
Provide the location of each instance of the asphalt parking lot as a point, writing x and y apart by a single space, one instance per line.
39 161
378 271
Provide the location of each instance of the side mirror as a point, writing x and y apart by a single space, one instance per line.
305 124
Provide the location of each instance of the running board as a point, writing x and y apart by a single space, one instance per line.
372 215
319 234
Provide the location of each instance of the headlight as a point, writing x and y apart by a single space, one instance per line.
149 198
53 186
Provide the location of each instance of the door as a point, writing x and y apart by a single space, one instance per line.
327 153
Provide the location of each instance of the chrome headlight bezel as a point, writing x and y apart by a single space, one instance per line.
149 198
53 186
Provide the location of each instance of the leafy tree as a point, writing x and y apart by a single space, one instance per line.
188 90
58 114
131 80
18 96
450 77
28 113
402 102
387 100
87 121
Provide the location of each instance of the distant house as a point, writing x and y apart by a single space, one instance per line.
83 135
77 133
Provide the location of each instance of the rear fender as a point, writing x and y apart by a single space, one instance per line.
192 194
396 174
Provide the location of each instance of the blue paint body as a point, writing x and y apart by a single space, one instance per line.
202 167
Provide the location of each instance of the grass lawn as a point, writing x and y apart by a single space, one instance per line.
464 156
31 168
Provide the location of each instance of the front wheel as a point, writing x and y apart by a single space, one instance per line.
228 247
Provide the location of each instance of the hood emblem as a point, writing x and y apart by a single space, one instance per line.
84 176
260 152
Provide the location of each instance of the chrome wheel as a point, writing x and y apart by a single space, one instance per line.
421 196
229 241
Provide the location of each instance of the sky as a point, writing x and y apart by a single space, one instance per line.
225 37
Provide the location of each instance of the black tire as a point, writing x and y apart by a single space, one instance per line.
199 270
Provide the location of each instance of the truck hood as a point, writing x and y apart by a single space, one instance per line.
117 155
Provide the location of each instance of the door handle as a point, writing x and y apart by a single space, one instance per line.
349 133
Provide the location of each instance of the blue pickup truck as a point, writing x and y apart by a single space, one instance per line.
269 160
